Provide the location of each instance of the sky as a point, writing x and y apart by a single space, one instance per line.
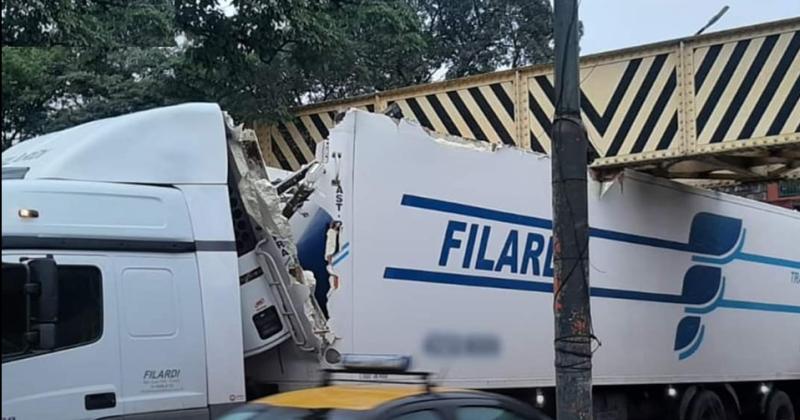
614 24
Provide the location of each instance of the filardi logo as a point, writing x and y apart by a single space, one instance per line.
160 380
162 374
22 158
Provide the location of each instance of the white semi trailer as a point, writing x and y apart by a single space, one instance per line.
149 271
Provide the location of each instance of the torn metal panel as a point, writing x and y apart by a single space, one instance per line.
291 287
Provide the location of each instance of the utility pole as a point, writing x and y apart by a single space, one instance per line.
573 320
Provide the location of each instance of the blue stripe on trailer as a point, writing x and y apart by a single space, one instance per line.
474 211
744 256
759 306
407 274
531 221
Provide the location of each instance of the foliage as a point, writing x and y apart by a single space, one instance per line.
379 46
87 23
71 61
29 84
262 60
479 36
66 62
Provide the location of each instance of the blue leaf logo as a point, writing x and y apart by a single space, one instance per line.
689 336
687 331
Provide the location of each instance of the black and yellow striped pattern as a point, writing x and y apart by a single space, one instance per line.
628 107
747 89
483 113
718 93
293 143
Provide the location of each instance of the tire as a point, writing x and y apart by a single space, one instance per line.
706 405
779 407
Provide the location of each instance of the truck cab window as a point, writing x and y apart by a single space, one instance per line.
13 310
80 309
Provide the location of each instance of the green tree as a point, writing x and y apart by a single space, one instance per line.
30 81
69 61
103 24
380 45
258 61
479 36
242 60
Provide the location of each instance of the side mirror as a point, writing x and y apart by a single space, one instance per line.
43 286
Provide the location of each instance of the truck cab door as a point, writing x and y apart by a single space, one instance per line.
77 375
161 335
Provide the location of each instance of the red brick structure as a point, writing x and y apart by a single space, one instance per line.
784 194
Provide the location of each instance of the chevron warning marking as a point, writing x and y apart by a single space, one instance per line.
484 112
541 110
638 115
293 143
747 89
447 112
281 149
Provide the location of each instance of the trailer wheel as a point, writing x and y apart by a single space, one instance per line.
779 407
706 405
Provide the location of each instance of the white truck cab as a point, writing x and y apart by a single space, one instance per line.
120 271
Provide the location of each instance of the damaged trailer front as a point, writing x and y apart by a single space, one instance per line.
440 249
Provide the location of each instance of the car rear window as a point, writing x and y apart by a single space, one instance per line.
265 412
485 413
